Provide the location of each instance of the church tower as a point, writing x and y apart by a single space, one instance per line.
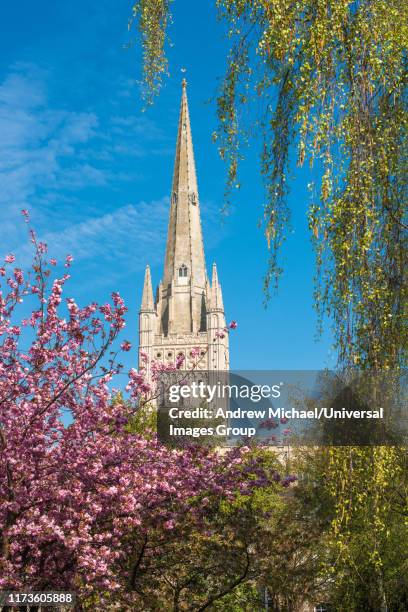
187 311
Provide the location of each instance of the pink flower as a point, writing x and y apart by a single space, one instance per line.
25 214
179 360
195 351
169 524
269 424
18 275
53 261
126 346
284 420
9 258
233 325
68 261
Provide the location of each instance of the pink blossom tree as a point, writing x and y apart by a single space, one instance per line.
79 502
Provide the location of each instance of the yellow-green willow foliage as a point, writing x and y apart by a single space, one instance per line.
327 76
152 18
369 531
332 75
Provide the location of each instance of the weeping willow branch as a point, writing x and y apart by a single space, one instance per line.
151 18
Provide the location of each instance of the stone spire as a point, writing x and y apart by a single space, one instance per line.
216 302
187 312
184 238
147 297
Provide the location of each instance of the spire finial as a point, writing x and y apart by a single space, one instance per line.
183 81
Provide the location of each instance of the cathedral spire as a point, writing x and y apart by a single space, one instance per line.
147 297
185 249
188 312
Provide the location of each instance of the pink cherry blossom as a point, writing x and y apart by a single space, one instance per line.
269 424
180 360
74 498
68 261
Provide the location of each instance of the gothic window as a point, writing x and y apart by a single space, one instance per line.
183 271
192 198
174 197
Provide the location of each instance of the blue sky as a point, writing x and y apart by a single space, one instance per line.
95 172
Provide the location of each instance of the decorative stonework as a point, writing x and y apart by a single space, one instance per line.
188 311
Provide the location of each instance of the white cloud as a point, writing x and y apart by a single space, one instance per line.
20 92
37 149
125 236
47 155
